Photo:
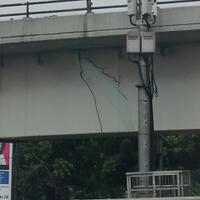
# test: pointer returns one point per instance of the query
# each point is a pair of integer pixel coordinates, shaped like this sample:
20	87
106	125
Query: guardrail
88	8
158	184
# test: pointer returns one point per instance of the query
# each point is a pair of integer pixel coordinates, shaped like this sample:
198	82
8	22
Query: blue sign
4	177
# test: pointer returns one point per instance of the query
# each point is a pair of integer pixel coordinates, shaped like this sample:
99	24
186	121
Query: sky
70	5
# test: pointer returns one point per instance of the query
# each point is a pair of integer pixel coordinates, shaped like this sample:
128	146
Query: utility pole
141	47
143	121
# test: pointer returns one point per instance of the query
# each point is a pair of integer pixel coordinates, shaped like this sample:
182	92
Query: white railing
27	9
158	184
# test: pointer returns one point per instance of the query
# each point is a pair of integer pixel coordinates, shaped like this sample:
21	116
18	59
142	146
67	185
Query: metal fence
88	7
158	184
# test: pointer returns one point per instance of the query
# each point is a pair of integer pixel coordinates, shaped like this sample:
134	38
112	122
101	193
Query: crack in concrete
102	70
109	85
90	89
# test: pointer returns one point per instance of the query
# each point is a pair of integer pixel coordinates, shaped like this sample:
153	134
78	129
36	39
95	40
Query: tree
40	174
92	168
89	168
183	152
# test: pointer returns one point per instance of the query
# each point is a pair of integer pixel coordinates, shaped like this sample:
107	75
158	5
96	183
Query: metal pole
143	119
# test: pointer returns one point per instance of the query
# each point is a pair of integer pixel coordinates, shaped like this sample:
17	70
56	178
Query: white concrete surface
51	99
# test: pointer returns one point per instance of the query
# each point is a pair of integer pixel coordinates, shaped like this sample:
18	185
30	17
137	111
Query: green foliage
62	169
183	152
109	166
92	168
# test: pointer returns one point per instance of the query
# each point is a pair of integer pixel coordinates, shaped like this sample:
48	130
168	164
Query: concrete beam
107	29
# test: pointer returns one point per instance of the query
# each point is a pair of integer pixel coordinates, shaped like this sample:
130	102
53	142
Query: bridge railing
88	8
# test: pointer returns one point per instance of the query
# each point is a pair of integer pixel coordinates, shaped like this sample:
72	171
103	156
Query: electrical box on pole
146	7
140	42
148	42
133	42
142	11
132	7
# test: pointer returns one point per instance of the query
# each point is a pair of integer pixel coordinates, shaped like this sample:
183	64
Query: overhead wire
131	20
154	92
151	89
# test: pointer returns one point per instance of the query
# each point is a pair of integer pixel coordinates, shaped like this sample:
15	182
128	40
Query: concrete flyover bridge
70	75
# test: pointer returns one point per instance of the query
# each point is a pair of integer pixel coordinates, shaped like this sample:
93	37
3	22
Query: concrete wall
47	96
